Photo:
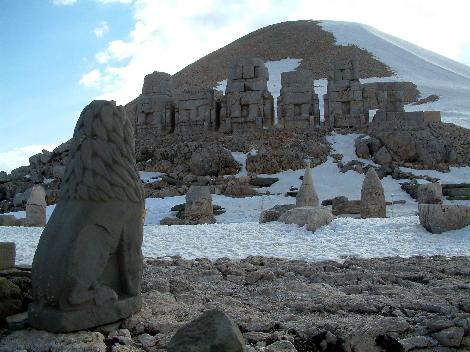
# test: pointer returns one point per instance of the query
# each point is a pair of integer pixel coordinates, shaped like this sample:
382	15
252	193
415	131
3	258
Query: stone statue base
67	321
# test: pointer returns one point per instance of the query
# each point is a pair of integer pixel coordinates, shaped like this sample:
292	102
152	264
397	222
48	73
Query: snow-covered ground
432	73
237	233
398	236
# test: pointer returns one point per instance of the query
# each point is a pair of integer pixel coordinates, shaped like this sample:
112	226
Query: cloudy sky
58	55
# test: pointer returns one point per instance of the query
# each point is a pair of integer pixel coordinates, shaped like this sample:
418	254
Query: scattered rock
213	331
450	337
274	213
313	217
263	181
383	156
281	346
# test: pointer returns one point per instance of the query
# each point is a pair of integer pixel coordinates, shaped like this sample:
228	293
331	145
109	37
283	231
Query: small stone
147	340
413	342
281	346
17	321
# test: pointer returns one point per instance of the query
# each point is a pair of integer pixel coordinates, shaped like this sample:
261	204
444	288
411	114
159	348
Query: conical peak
308	179
372	178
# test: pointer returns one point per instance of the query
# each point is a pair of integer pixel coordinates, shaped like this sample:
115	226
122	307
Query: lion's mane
101	165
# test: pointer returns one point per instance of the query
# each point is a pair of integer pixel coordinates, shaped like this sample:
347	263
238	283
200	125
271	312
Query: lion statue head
101	165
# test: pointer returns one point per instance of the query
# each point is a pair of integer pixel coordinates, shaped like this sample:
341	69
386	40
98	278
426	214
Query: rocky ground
385	304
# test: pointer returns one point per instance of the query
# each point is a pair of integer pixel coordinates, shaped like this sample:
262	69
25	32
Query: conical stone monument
87	269
36	207
307	196
372	196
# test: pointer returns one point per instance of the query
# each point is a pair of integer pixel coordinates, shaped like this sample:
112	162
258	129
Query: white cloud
16	157
115	1
64	2
101	29
91	79
169	35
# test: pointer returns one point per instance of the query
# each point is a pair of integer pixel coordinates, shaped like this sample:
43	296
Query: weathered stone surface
263	181
36	207
307	196
450	337
313	217
212	161
281	346
383	156
430	193
198	208
297	104
362	148
88	265
372	196
438	218
43	341
10	298
342	205
213	331
7	220
7	255
274	213
415	342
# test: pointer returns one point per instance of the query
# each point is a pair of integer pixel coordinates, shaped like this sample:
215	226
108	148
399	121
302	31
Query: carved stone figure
87	268
372	196
307	196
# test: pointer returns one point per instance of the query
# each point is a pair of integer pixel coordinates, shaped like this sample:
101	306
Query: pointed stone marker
307	196
372	196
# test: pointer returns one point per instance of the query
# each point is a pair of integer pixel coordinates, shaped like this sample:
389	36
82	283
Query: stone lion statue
87	268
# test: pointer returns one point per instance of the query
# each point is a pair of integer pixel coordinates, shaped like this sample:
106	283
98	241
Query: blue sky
58	55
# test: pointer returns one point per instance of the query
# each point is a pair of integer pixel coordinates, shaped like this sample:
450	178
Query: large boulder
213	161
7	220
372	196
383	156
438	218
430	193
313	217
213	331
274	213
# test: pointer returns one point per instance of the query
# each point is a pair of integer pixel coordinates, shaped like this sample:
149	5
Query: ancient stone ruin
248	103
196	111
87	269
153	111
372	196
429	193
36	207
297	105
345	105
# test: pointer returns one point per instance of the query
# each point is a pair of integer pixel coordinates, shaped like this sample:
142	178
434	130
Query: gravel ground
384	304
